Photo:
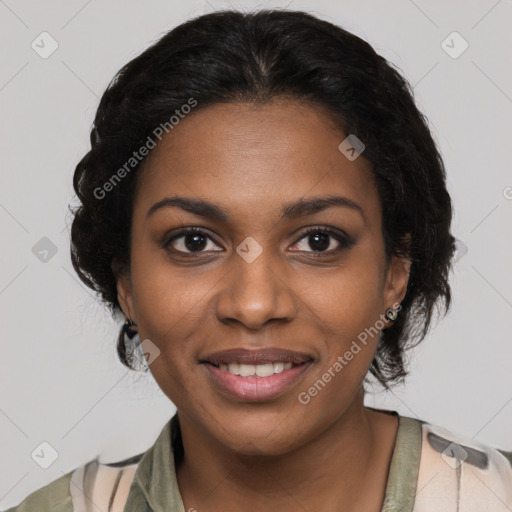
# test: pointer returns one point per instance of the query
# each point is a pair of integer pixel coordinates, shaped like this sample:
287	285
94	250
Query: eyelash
345	241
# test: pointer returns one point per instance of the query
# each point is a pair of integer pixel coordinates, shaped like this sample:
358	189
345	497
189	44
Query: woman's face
254	279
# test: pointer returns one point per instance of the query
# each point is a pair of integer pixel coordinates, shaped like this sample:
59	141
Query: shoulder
459	473
105	485
53	496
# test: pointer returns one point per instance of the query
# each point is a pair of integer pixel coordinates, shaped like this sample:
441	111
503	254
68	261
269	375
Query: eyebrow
294	210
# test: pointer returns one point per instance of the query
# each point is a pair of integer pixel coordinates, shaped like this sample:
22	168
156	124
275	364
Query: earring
391	314
129	328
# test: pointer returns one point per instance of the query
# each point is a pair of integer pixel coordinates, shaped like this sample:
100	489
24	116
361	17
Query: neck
335	465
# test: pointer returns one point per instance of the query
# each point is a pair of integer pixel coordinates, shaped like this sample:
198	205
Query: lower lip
256	388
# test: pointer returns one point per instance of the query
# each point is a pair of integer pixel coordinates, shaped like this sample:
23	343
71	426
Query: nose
254	293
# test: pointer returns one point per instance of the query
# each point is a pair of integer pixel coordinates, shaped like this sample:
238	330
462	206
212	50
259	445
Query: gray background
60	378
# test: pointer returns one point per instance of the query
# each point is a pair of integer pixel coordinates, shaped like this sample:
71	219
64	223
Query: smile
258	370
258	382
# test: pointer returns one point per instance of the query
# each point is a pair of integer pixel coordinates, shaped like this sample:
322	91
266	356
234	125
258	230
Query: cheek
167	314
166	302
349	299
348	305
349	314
163	293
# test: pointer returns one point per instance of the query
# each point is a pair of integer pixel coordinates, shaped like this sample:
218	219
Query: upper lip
256	356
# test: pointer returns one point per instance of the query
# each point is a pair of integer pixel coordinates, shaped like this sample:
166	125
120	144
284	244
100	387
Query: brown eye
321	240
190	240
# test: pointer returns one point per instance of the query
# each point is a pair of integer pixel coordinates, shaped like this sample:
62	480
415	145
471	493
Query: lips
256	375
270	355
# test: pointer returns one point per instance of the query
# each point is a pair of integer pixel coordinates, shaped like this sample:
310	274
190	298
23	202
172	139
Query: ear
397	279
124	290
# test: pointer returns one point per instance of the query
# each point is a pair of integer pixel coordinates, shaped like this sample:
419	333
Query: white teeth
246	370
265	370
259	370
278	367
234	368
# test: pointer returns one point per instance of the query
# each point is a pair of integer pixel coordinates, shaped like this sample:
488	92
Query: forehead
245	156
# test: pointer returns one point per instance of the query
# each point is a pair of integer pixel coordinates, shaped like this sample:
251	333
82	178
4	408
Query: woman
266	206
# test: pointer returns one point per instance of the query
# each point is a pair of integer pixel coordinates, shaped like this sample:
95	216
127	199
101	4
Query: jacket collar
155	486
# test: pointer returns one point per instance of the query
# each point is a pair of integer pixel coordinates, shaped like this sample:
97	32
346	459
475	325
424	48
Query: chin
254	446
262	434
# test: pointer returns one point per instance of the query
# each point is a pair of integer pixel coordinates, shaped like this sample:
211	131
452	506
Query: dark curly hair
229	56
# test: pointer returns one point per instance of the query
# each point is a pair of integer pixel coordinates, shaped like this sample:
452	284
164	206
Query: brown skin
332	453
